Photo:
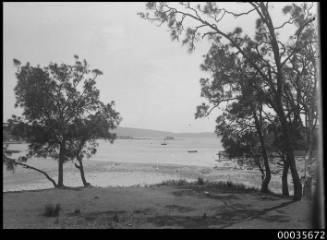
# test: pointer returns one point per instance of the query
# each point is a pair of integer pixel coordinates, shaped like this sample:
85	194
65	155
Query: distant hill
149	133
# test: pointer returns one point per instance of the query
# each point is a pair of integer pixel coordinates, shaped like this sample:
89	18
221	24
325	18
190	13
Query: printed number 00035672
310	234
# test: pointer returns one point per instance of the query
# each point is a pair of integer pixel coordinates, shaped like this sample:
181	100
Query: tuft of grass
115	218
77	211
51	210
200	181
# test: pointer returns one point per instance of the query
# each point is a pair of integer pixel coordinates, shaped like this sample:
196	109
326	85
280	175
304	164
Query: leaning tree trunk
286	167
61	165
81	169
38	170
257	162
267	178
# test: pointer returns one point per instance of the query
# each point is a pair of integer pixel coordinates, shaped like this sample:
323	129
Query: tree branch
38	170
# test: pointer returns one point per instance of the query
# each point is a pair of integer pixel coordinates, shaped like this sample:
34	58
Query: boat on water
12	151
169	138
192	151
165	140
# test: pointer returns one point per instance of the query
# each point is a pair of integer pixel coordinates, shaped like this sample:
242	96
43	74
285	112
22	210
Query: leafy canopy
60	105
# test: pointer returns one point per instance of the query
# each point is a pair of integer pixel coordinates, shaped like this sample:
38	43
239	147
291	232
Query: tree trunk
81	169
267	178
257	162
290	155
286	167
61	165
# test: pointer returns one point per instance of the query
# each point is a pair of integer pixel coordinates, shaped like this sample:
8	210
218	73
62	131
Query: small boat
169	138
163	143
192	151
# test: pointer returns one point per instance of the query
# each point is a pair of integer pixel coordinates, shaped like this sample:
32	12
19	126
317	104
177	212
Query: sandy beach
103	174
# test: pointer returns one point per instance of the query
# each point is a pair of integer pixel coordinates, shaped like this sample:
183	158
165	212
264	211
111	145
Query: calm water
148	151
151	151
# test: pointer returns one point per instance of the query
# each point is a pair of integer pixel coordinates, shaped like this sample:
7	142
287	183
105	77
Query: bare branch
287	22
238	14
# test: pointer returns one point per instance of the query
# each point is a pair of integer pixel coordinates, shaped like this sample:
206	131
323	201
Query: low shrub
179	182
51	210
200	181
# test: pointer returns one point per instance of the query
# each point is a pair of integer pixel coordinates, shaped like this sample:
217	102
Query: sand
156	206
104	174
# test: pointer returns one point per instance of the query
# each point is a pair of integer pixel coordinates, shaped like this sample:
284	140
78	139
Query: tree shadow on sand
231	212
225	216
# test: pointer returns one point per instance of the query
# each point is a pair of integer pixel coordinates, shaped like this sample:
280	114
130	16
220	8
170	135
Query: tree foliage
61	109
239	63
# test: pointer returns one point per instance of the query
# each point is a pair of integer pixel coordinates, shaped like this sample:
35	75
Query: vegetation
62	114
51	211
227	186
258	73
200	181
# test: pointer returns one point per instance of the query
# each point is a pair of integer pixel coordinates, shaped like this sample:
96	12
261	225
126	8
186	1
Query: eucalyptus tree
54	99
265	53
301	89
300	99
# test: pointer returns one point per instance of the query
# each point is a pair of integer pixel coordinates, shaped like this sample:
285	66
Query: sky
153	80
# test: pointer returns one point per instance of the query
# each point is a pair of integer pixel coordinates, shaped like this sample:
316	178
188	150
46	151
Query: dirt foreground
158	206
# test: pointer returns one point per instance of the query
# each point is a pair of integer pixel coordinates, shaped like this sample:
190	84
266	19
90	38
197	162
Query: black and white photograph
163	115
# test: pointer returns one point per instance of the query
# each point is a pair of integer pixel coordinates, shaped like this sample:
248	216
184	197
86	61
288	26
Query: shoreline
106	174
